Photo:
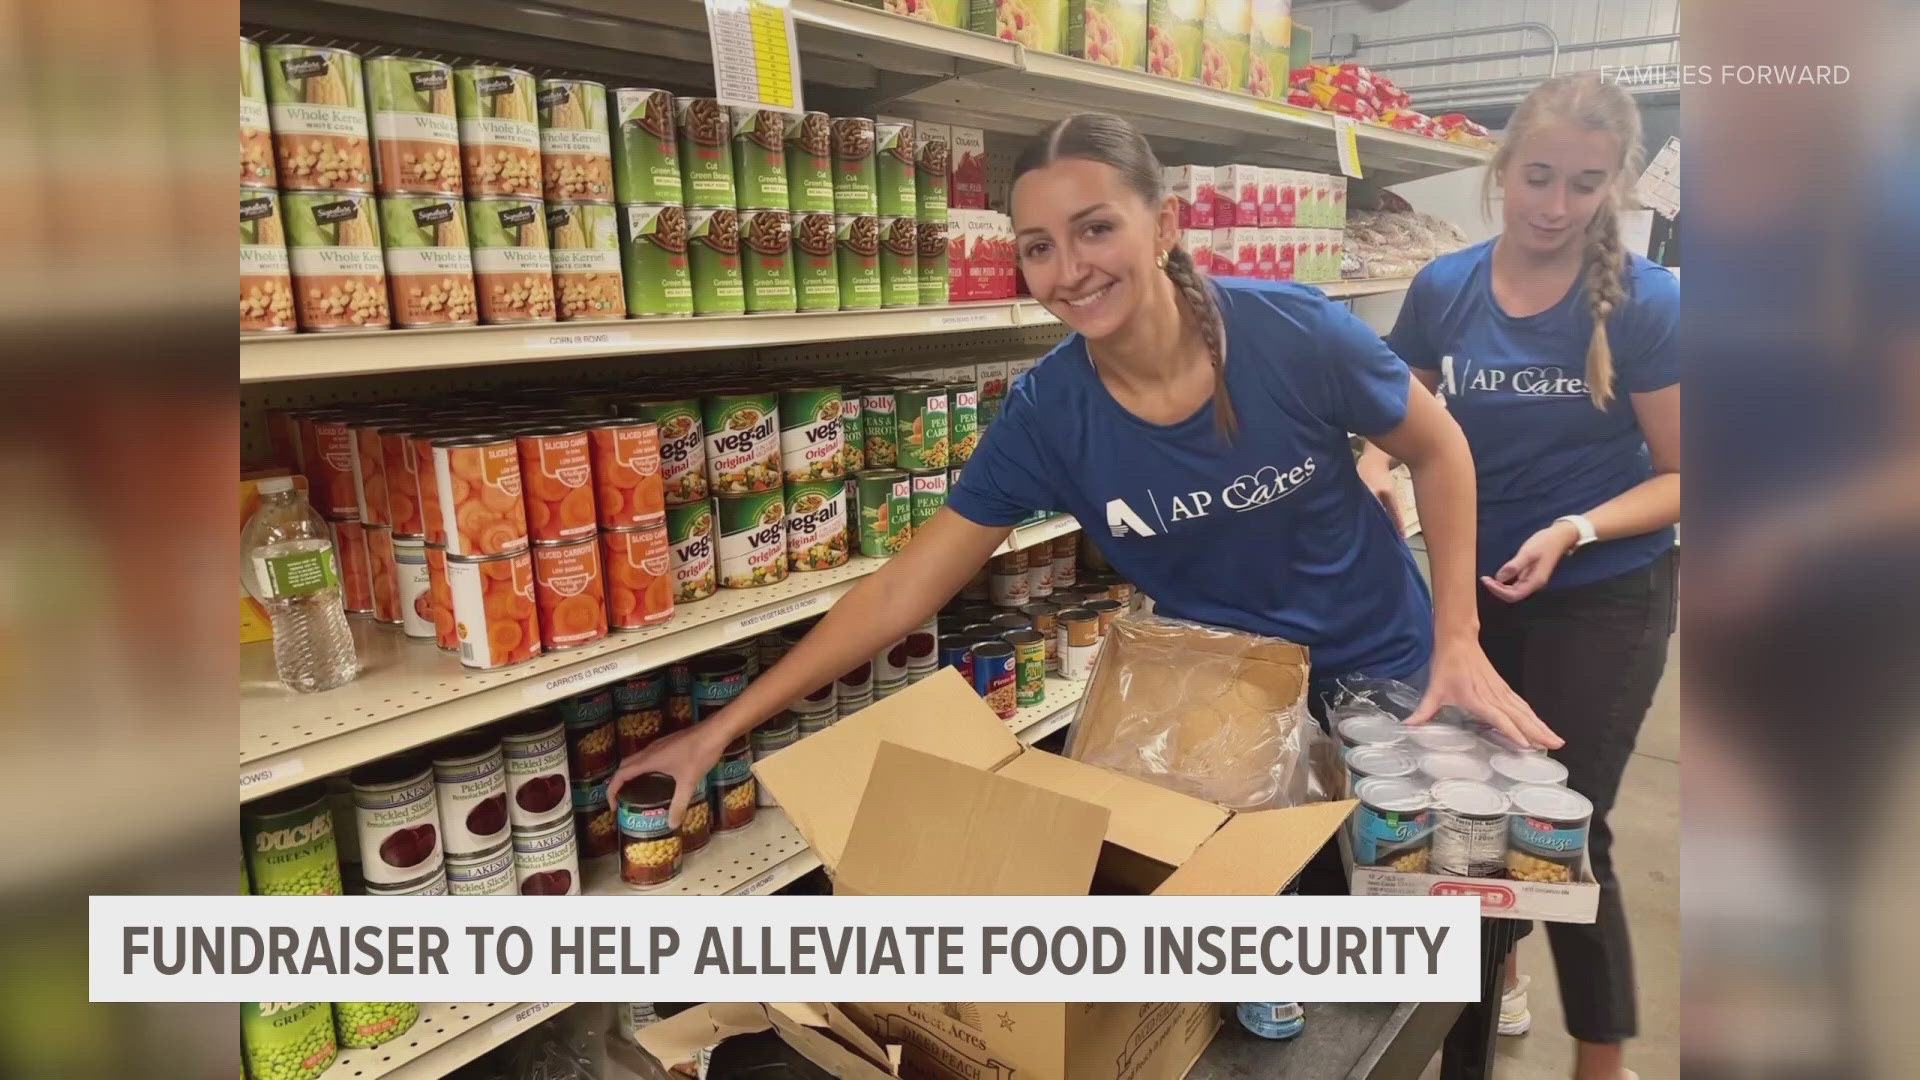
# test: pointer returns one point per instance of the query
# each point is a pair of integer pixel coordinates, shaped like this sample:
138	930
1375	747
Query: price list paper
755	62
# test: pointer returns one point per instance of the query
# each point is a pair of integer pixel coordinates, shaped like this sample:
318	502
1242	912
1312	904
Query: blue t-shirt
1273	534
1539	446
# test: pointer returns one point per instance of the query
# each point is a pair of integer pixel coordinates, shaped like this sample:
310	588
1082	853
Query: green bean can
751	534
853	446
877	409
759	138
416	135
816	524
853	168
1029	665
899	262
701	128
933	262
894	188
646	156
811	446
587	282
653	260
929	495
576	157
886	511
713	247
362	1025
857	246
287	1040
743	441
920	423
766	259
963	422
810	163
816	268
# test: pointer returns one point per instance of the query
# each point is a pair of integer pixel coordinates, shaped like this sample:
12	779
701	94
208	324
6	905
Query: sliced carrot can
356	566
557	467
433	522
370	473
639	576
403	480
494	613
385	574
482	510
570	593
440	593
629	490
329	460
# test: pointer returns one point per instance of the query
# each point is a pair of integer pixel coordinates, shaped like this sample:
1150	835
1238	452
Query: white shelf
410	693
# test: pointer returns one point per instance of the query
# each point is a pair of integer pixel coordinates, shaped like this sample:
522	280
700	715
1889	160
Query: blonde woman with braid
1557	353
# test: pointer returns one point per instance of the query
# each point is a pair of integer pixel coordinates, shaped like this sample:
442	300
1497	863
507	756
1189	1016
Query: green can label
853	432
933	262
653	260
576	161
499	130
512	259
646	156
963	422
877	416
683	447
292	852
816	524
1030	671
701	127
316	99
743	442
853	167
895	191
713	244
760	158
690	551
362	1025
287	1040
811	446
816	269
767	259
886	512
416	134
810	164
752	539
899	262
858	245
587	281
298	573
929	495
921	425
933	148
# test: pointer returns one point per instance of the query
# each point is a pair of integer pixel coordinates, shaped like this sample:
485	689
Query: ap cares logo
1265	485
1247	492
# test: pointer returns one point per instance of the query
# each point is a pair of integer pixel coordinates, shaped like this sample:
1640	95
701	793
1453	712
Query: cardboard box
1267	49
1237	195
980	1040
1236	251
822	1034
1223	44
1174	29
1574	902
967	180
1111	32
1193	186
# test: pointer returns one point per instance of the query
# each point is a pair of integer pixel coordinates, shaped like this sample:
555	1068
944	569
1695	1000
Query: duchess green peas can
929	495
287	1040
886	511
646	157
653	260
920	420
853	432
811	446
877	418
752	539
816	524
963	422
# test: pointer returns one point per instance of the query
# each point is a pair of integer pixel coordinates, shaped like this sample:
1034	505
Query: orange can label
570	593
433	525
626	475
640	582
558	471
356	565
385	574
481	508
370	475
403	483
493	610
330	468
440	598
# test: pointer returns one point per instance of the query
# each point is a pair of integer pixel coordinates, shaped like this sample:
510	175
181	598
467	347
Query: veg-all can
893	150
816	524
1393	826
317	104
702	127
429	261
760	158
493	610
333	250
479	491
858	261
470	778
587	281
690	551
556	467
878	408
1079	636
397	819
811	436
416	130
767	260
415	586
752	539
290	844
929	495
854	171
994	677
356	565
639	704
446	635
810	163
646	157
713	249
570	593
816	266
920	421
683	452
384	573
266	277
650	849
734	794
1030	665
546	860
886	511
626	472
933	262
742	442
639	570
899	262
576	160
256	129
512	260
654	261
534	745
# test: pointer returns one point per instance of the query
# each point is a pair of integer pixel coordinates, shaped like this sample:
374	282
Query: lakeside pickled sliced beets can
683	447
640	576
812	440
556	470
493	609
751	539
416	128
690	551
576	160
477	480
816	524
646	156
742	442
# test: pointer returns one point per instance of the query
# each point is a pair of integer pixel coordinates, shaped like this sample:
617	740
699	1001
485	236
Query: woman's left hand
1533	564
1463	676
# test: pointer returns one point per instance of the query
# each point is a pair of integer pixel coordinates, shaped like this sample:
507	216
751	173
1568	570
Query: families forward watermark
1659	76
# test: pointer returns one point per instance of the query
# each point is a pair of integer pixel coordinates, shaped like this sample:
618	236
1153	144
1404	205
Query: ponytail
1605	262
1197	294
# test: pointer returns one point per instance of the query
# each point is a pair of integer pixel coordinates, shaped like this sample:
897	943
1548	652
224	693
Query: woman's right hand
685	755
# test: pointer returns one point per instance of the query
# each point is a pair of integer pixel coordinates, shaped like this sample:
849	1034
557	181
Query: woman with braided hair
1557	353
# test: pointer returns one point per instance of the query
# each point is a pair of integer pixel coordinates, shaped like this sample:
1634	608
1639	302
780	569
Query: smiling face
1557	177
1088	243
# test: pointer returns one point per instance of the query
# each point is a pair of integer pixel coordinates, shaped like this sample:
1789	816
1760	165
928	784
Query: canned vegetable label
921	427
385	574
415	587
893	148
575	152
929	495
701	126
816	524
570	593
397	819
480	496
886	511
1030	666
854	172
288	1040
714	246
683	453
995	677
333	249
555	467
853	433
266	281
416	133
547	860
446	633
256	130
653	257
586	261
626	473
536	760
493	610
743	442
932	150
963	422
816	268
499	130
317	100
767	258
810	164
933	262
899	261
811	438
429	260
646	158
512	260
760	158
858	261
877	410
290	845
690	551
640	589
752	539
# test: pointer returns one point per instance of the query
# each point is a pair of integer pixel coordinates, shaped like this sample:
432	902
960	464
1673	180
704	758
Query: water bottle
1272	1019
287	563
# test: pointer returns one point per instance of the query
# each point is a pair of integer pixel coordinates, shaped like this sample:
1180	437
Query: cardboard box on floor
822	1034
928	793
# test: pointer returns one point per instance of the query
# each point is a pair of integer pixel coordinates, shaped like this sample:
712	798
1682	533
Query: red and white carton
1284	251
1264	263
1236	251
1337	215
1193	187
1199	244
1271	180
1237	196
1286	210
967	169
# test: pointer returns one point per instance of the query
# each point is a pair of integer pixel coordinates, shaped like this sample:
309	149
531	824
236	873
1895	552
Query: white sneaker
1514	1017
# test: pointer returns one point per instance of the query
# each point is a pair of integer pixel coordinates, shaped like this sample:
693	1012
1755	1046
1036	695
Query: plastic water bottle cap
273	484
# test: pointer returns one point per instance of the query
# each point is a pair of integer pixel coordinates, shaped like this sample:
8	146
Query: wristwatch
1582	526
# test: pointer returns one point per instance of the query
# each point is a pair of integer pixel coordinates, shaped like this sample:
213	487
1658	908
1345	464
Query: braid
1199	298
1605	260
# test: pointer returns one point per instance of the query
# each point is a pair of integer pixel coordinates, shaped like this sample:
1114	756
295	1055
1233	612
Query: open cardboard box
1570	902
820	1033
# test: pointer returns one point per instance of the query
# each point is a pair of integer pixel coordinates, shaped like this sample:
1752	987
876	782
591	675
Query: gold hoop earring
1160	260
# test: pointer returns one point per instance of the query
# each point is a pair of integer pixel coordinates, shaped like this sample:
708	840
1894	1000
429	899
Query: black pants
1588	659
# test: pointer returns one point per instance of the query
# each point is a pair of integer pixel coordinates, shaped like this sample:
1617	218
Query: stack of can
906	433
889	221
577	181
423	212
266	283
506	212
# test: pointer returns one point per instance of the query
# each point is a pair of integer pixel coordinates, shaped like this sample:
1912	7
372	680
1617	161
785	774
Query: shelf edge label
775	616
1346	145
578	339
584	679
519	1017
279	770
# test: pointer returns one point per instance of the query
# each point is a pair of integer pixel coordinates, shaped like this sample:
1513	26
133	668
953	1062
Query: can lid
1377	760
1108	604
647	791
992	648
1440	736
1023	637
273	485
1393	793
1454	765
1528	767
466	745
1469	797
1373	728
1550	802
389	772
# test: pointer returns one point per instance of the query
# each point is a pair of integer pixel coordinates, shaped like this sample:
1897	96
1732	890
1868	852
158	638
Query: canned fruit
895	192
878	413
428	258
570	594
333	249
628	490
317	104
646	158
256	130
760	158
751	539
886	511
701	128
499	133
683	453
690	551
416	130
576	159
479	490
816	524
713	242
556	469
742	442
587	282
933	262
899	261
653	258
857	248
812	443
446	636
287	1040
815	265
853	166
266	279
512	262
493	610
767	260
290	845
639	572
810	164
362	1025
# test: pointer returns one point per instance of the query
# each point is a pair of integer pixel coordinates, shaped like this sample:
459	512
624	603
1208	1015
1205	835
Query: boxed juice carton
967	182
1223	44
1284	252
1267	49
1199	244
1174	29
1270	182
1237	195
1236	250
944	12
1111	32
1287	205
1264	262
1193	186
1037	24
1337	214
